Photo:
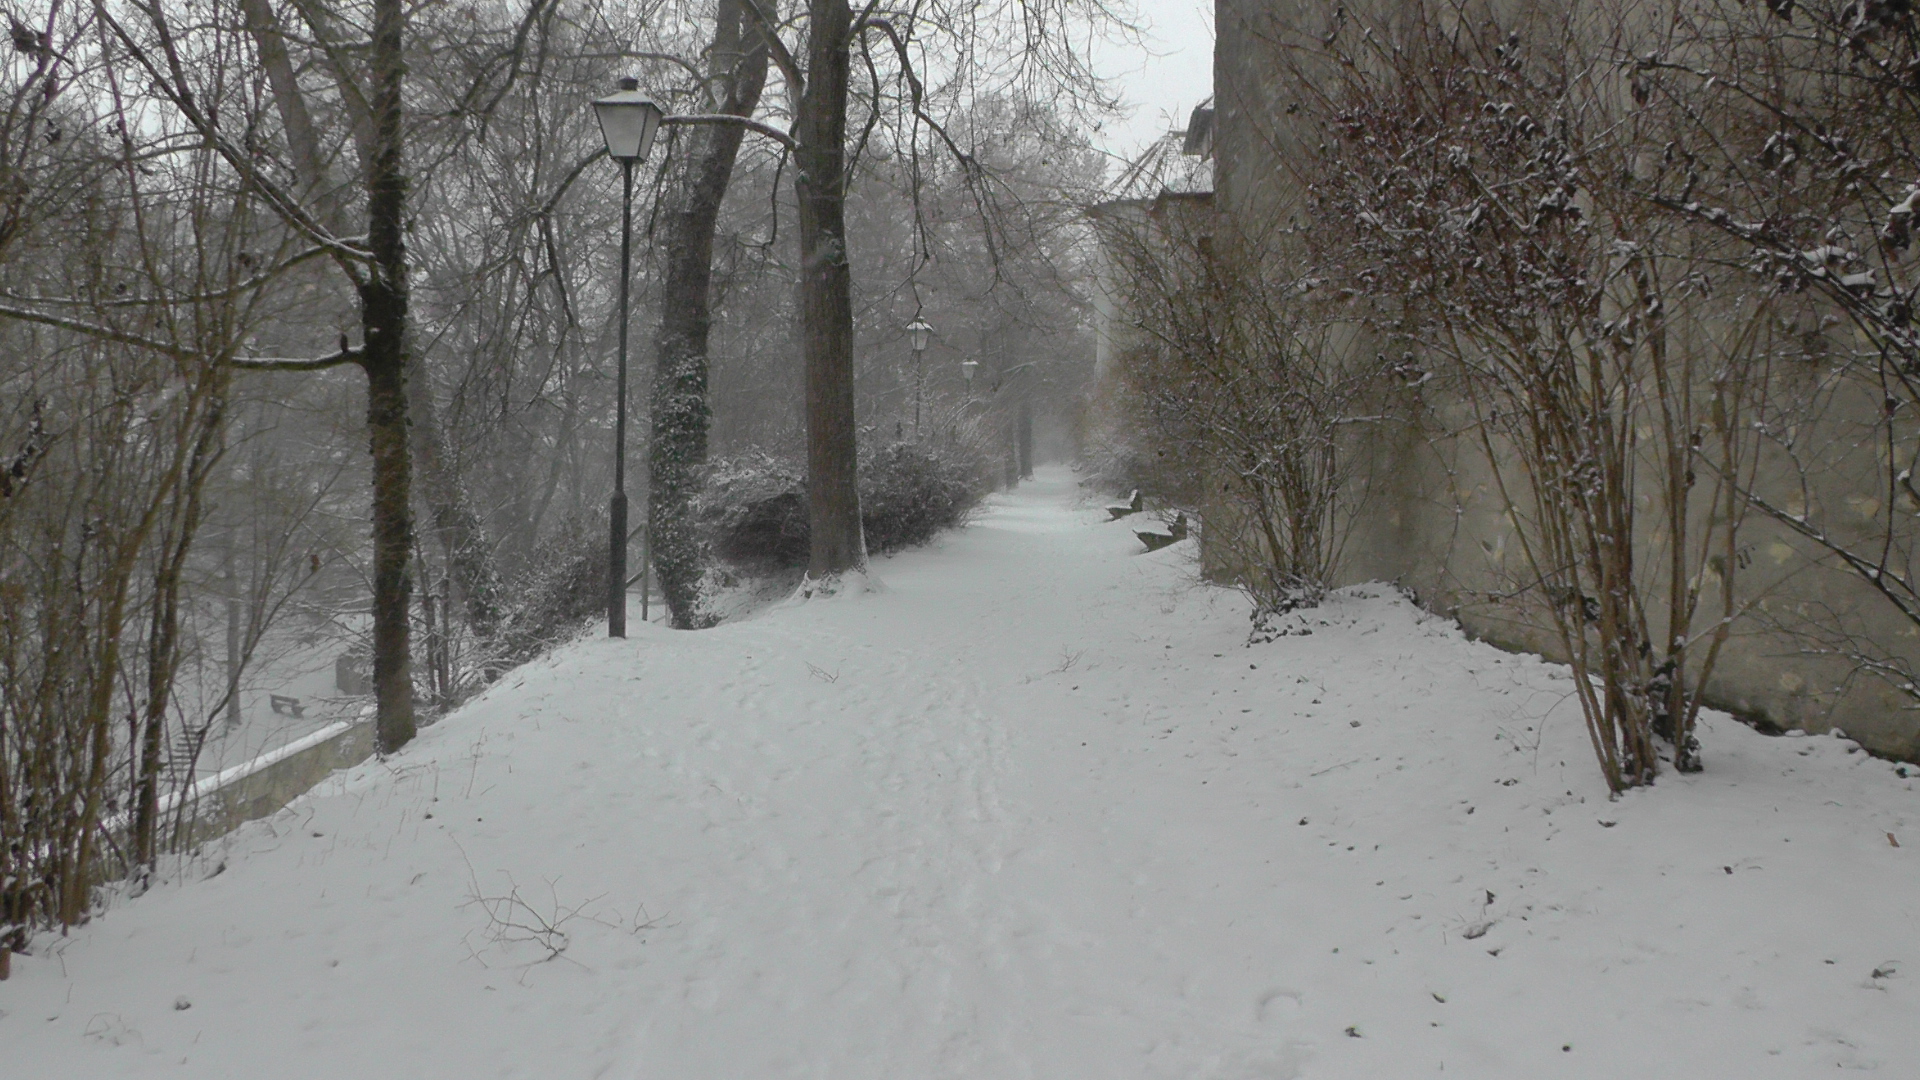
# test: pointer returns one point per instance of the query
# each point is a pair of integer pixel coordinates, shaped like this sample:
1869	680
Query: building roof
1177	163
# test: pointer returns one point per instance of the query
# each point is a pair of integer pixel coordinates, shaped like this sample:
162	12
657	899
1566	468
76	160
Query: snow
1034	809
295	660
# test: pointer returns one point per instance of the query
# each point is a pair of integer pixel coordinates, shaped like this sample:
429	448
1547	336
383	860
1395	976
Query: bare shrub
1475	182
1240	376
1793	143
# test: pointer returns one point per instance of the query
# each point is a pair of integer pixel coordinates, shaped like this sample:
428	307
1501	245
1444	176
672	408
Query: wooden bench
1175	533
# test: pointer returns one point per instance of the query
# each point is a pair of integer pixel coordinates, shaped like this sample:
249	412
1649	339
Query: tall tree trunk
1023	438
681	414
303	143
383	295
74	851
826	295
383	317
461	533
232	583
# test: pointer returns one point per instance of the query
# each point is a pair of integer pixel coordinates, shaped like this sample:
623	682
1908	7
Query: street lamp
920	333
917	334
628	122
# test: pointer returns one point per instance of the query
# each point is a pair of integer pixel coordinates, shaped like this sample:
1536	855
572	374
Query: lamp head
918	332
628	121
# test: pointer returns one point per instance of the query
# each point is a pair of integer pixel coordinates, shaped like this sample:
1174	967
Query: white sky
1163	83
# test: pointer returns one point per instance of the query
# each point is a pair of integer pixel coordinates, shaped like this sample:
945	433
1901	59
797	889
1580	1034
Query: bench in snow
1175	533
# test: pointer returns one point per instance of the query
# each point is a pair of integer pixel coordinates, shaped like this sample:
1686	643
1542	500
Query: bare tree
375	266
363	89
127	296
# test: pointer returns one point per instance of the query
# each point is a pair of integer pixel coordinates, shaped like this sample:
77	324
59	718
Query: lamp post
967	370
628	122
917	334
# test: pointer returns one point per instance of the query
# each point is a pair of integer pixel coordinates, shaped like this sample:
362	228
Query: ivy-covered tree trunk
383	319
826	295
681	414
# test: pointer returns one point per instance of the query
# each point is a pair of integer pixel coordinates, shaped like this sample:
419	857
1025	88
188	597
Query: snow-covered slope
1034	810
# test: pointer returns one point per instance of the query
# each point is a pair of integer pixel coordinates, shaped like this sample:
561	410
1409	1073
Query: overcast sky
1164	82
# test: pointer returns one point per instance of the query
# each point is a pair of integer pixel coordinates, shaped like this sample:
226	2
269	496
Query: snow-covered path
1035	810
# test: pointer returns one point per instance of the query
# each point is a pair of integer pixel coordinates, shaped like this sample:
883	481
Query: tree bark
1023	437
234	651
163	642
826	295
383	316
681	414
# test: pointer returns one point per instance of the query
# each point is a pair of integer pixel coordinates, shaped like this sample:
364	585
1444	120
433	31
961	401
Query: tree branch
969	165
247	285
768	130
173	84
280	363
681	62
94	330
123	337
782	59
546	208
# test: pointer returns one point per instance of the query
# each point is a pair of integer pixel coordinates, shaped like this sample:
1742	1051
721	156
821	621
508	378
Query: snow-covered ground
1034	810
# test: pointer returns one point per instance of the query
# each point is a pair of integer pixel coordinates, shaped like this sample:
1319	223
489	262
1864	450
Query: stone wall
259	788
1426	511
1432	519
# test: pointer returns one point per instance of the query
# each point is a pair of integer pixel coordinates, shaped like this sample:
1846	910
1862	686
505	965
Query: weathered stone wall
262	787
1434	521
1428	514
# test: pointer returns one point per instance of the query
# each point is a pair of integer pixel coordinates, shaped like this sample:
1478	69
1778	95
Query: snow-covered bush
754	507
910	491
1483	193
753	510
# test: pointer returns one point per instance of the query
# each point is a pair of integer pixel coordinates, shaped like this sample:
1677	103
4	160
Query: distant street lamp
918	333
967	369
628	122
